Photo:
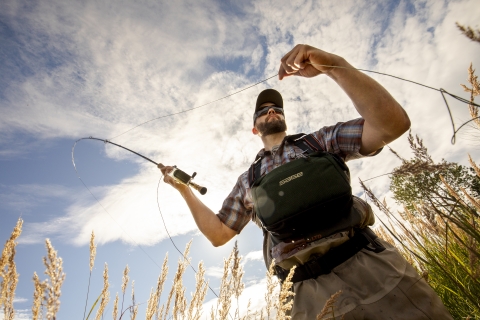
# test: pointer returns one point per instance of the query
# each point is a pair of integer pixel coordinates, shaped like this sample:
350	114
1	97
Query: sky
75	69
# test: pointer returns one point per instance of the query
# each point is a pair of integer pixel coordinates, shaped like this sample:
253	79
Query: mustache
274	115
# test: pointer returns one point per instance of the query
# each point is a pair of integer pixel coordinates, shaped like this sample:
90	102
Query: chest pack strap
307	142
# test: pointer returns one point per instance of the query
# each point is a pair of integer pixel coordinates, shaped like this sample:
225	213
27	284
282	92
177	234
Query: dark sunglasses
265	110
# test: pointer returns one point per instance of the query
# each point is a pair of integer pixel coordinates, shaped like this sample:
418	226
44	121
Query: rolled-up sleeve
237	208
344	139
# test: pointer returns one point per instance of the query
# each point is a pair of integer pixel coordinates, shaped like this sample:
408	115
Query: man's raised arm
207	221
385	119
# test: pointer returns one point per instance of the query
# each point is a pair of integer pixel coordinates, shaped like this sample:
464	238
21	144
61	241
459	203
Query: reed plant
46	302
438	230
441	238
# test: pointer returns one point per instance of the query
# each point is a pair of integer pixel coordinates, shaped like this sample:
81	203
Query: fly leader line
443	92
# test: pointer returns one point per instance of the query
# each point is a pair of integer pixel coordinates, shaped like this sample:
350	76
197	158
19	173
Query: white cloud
214	272
19	300
253	294
119	68
253	256
25	197
20	314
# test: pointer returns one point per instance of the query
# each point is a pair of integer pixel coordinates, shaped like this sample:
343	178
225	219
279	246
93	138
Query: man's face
271	122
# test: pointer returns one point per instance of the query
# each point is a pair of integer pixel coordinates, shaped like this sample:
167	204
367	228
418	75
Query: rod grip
197	187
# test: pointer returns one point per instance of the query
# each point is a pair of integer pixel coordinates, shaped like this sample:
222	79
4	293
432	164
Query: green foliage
418	180
426	186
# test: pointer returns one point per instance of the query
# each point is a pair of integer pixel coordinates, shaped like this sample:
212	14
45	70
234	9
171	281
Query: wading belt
317	266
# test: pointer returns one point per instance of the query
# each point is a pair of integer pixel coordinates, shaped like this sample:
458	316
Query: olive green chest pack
307	196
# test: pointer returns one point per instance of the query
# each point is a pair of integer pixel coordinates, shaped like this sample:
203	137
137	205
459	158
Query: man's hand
168	179
385	119
206	220
306	61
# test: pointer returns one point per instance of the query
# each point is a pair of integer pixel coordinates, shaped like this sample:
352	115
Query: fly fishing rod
177	174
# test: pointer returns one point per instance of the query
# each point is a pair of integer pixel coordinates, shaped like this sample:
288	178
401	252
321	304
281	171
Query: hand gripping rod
184	178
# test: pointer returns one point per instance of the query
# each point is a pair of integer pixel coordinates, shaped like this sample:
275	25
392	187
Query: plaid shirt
343	139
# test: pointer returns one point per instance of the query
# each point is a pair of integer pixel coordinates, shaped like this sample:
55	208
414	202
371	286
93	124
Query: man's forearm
207	221
384	117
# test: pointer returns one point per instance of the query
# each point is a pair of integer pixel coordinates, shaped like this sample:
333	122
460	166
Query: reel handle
197	187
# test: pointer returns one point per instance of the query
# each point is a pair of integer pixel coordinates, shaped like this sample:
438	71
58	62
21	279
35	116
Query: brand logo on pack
293	176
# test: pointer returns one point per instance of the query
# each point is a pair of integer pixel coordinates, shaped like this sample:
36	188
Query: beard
271	127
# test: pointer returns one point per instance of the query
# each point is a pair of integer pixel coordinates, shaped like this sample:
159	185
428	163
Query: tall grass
438	231
46	302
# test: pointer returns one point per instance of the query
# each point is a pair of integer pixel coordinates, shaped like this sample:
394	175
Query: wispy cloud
98	71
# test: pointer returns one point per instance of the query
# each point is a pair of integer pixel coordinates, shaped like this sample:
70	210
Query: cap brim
269	95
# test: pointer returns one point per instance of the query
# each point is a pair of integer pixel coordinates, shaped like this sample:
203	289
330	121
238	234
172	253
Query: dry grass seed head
93	250
105	294
9	284
472	200
10	243
125	278
8	271
115	307
133	308
467	31
152	306
474	91
195	307
177	286
226	289
329	305
56	276
272	283
160	312
285	299
474	165
134	313
385	236
38	296
452	192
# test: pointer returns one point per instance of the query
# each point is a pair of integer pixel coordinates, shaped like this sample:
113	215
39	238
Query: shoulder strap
255	170
307	142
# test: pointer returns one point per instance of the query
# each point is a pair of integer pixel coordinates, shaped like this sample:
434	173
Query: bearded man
297	190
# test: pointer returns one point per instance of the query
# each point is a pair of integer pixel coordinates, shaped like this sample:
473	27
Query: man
377	283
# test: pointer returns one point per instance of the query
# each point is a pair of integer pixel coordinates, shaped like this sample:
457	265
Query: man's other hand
306	61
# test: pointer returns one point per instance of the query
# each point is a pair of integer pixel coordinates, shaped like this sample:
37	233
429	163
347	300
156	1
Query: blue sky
73	69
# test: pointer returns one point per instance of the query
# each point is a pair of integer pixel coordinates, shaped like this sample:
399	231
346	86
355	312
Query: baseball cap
268	95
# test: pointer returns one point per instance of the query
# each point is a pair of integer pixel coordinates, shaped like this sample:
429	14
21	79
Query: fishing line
441	90
158	201
200	106
168	233
98	201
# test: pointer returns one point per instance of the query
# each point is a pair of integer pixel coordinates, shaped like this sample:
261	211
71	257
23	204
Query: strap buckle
372	239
